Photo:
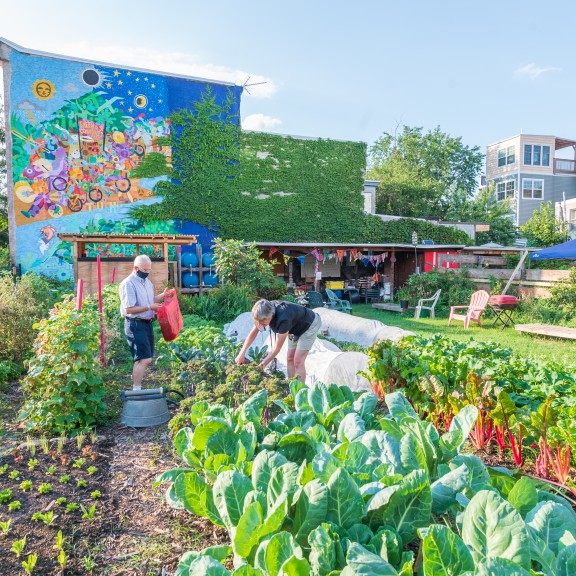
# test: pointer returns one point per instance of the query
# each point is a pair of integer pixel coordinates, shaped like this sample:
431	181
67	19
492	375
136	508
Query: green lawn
526	345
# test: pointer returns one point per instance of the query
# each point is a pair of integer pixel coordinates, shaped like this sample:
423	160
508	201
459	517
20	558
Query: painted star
121	102
130	109
116	73
137	79
153	85
160	101
108	84
120	82
129	73
149	109
146	78
129	92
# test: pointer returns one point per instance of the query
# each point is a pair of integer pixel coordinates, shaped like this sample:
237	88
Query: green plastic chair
336	303
315	299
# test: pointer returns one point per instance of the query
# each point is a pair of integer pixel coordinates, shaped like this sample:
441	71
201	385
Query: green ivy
266	187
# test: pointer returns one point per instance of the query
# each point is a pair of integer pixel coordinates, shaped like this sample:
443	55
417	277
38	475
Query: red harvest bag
169	317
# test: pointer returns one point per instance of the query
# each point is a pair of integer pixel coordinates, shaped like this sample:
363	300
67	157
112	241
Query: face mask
142	275
261	328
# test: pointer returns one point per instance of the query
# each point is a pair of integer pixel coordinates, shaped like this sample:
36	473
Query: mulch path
133	531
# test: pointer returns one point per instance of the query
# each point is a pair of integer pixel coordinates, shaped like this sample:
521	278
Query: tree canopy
543	229
420	173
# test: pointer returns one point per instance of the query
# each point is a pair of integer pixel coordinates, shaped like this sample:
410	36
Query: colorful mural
79	133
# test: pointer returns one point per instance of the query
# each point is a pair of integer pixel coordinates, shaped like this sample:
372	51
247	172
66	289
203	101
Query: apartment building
532	169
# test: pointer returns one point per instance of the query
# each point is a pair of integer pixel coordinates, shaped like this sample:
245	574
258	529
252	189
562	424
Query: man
138	306
293	321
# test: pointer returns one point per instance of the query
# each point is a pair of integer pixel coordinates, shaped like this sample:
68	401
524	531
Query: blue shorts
140	338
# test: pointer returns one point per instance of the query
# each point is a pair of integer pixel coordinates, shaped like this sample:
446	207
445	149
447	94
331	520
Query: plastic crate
335	284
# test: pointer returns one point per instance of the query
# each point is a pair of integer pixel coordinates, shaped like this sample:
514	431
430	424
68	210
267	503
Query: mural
79	134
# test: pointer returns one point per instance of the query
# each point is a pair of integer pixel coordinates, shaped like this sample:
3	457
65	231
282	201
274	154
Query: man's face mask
142	274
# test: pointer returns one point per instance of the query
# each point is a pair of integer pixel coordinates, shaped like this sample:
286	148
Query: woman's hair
262	309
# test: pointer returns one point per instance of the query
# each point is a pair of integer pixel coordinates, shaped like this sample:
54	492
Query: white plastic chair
433	300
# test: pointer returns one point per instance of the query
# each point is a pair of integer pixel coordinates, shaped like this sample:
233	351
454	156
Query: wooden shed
116	268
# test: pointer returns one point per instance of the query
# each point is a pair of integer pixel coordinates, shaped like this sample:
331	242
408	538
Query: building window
536	155
533	189
506	156
504	190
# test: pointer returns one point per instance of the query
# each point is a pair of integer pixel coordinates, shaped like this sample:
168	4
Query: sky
481	70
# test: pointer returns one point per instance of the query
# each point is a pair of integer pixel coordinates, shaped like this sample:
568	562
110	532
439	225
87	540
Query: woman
293	321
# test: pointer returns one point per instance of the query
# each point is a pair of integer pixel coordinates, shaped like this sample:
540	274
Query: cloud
70	87
533	71
162	61
260	122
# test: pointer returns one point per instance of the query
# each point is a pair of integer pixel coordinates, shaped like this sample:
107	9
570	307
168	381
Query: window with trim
532	189
506	156
536	155
505	190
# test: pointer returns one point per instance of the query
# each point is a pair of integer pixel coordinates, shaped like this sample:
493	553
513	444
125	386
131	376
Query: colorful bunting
340	254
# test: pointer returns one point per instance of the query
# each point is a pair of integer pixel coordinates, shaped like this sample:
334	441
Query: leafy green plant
64	479
44	444
32	463
31	445
14	505
64	390
18	546
96	494
60	442
71	507
79	462
80	438
88	514
5	496
14	475
50	470
62	559
81	483
60	541
61	501
5	527
92	470
45	488
3	469
30	563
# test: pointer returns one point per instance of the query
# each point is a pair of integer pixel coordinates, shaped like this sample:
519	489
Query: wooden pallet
547	330
388	307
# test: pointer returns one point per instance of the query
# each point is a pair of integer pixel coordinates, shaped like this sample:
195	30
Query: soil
133	531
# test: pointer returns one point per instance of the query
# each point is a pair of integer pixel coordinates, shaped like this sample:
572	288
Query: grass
525	345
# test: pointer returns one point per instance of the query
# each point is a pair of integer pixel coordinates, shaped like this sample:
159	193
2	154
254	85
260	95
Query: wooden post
392	274
79	294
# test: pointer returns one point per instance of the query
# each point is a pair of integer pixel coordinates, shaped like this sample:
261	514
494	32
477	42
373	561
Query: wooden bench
548	330
389	307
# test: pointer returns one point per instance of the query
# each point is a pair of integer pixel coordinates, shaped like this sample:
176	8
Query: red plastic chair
474	310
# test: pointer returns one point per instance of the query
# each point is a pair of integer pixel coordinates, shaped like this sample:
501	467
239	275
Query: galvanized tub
144	408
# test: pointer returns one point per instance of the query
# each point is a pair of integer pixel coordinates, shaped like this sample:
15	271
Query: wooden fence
527	282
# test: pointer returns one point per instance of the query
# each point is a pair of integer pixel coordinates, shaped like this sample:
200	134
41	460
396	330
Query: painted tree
543	229
421	173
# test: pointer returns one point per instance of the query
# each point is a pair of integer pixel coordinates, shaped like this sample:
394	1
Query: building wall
77	133
556	186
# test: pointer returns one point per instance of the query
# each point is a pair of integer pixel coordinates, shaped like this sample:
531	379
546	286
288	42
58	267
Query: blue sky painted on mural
481	70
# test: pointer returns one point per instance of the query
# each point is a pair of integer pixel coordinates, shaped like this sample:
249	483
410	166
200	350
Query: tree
543	229
421	174
484	207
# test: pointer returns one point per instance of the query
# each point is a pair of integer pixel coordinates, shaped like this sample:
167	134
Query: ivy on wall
266	187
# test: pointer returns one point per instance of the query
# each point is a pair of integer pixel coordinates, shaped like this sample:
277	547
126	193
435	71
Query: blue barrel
209	279
338	293
190	279
208	259
190	259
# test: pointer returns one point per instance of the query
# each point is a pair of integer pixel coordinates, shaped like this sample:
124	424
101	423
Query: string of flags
326	254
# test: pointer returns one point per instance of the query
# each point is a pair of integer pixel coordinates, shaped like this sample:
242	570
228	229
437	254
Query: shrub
8	371
22	303
63	389
225	303
456	287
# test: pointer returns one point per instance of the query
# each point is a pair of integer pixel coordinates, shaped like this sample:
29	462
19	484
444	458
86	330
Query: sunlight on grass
525	345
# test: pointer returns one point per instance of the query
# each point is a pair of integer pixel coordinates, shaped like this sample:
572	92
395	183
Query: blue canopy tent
566	251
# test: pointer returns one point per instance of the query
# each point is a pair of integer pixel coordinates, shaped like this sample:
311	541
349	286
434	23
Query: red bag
169	317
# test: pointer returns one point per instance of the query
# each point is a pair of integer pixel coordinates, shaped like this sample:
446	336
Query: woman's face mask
260	327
